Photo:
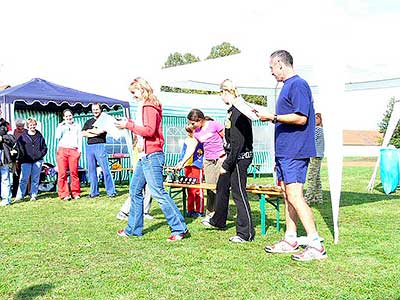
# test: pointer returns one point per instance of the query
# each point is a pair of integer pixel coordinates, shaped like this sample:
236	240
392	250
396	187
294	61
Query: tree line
221	50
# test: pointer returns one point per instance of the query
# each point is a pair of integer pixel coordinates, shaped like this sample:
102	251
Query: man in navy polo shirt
294	145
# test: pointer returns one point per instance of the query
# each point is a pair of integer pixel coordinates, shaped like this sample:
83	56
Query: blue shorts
291	170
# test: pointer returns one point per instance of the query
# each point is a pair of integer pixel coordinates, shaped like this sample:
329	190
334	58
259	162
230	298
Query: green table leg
262	212
184	213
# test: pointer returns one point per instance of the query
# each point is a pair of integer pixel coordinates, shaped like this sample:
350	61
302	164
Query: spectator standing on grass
96	154
233	172
18	131
68	134
209	133
7	143
314	186
191	160
31	148
149	168
294	145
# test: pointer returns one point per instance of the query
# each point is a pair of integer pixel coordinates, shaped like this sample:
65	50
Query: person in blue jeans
31	148
7	143
96	154
149	168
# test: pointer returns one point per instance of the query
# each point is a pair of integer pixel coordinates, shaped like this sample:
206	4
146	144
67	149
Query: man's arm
294	118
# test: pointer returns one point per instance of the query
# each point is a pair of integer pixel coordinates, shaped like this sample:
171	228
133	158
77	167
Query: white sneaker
33	199
237	239
122	216
4	203
282	246
310	253
148	217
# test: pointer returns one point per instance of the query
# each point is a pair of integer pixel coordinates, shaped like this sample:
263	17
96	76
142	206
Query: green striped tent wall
173	130
49	121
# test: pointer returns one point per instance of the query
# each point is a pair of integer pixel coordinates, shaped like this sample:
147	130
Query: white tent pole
331	96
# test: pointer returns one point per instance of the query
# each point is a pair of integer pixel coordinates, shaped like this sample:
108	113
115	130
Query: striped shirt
319	141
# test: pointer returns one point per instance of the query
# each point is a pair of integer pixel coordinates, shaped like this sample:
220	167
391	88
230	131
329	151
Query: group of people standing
22	153
223	152
227	154
23	150
69	135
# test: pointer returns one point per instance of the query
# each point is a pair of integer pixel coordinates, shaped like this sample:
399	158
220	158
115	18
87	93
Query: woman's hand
121	123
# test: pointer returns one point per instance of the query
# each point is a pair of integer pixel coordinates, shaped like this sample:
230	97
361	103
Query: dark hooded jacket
31	148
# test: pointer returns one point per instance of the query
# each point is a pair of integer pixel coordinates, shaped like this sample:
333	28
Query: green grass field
50	249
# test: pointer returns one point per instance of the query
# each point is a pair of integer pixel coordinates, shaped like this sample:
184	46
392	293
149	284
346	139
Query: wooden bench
114	172
271	195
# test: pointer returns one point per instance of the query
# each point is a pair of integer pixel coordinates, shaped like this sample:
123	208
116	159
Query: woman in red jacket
149	168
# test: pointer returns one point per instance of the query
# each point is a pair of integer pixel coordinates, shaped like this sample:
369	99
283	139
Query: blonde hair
148	94
228	85
31	120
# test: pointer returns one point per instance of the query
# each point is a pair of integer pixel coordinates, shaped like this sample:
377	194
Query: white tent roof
251	74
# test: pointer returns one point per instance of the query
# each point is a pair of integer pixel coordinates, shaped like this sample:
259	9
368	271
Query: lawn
50	249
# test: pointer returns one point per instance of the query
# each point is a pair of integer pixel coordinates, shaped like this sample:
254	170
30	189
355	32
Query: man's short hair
284	56
20	123
97	104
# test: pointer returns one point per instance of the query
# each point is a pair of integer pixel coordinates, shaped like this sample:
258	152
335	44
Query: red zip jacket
151	130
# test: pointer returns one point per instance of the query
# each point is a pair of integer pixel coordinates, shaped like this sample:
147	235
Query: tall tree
395	140
224	49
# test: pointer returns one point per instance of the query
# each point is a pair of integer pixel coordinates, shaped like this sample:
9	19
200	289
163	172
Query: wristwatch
275	119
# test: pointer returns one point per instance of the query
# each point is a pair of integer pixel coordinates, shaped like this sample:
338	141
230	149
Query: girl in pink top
210	133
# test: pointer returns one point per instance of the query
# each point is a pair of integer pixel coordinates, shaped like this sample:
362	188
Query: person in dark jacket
233	174
31	148
18	131
7	142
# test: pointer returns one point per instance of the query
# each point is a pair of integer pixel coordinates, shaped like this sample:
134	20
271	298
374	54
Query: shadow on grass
33	291
350	199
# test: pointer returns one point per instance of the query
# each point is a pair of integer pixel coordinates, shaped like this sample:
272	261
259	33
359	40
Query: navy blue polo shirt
295	141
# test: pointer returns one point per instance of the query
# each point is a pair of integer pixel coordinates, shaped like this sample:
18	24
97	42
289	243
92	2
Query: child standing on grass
149	168
210	133
192	160
314	186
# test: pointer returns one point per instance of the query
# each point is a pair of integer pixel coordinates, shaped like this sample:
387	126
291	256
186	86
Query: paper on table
246	108
106	122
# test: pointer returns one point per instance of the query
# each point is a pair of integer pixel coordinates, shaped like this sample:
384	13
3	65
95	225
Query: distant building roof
362	137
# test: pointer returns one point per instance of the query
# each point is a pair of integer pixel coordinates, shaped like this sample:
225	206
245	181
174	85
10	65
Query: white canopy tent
329	77
252	76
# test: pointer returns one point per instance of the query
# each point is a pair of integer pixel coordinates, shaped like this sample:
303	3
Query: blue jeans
149	170
5	183
29	170
97	153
